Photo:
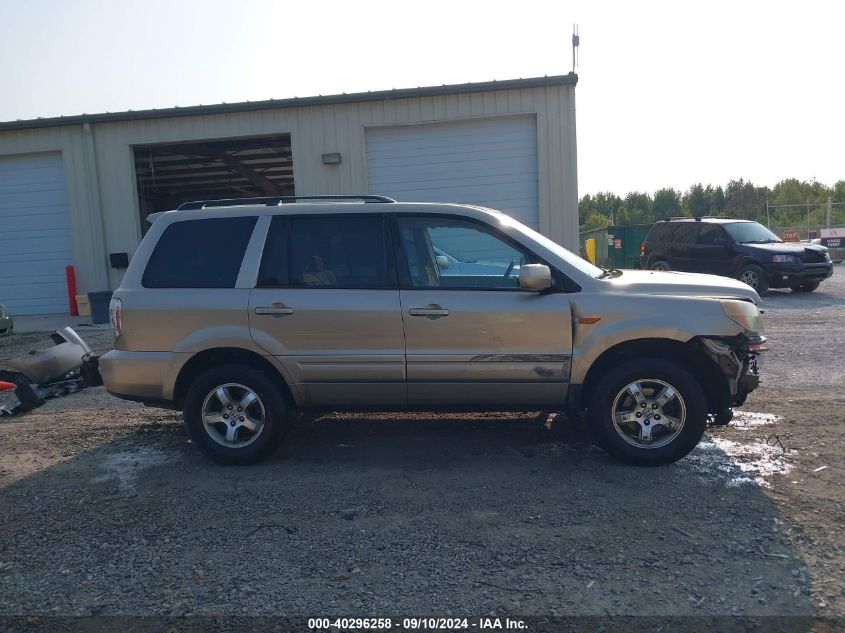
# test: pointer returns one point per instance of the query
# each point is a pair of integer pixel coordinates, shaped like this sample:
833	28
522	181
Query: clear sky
669	93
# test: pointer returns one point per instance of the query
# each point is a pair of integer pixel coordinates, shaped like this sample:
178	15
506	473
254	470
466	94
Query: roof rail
687	217
272	201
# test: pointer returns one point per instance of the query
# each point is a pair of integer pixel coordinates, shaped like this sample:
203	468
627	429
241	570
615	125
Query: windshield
751	232
571	258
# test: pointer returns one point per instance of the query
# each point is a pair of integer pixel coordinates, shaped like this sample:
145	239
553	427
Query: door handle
429	311
276	310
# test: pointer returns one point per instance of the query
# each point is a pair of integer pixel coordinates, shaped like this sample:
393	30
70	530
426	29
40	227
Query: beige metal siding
103	201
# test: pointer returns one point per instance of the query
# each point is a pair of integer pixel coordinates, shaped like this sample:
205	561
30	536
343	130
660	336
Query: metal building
75	190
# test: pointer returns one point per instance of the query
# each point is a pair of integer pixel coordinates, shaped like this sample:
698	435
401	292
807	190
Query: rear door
189	287
682	246
472	336
326	303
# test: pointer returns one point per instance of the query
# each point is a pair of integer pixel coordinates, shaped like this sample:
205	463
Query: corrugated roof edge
295	102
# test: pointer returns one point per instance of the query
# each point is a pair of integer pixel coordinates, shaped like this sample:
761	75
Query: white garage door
490	161
35	242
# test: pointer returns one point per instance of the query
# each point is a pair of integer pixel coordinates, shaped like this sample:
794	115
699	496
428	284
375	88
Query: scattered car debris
57	371
7	323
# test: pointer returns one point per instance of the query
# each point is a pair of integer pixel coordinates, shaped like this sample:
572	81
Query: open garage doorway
172	173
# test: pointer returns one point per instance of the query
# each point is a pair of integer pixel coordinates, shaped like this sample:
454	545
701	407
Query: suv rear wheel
235	414
660	264
648	412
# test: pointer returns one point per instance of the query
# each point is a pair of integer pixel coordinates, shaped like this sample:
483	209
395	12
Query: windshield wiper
762	241
609	272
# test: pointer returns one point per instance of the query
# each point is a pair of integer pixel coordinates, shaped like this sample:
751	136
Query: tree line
740	199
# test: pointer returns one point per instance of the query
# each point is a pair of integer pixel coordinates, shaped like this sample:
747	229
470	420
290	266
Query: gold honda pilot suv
242	311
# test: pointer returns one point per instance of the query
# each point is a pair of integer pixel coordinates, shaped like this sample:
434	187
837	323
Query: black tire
660	264
604	428
806	287
274	413
754	276
723	417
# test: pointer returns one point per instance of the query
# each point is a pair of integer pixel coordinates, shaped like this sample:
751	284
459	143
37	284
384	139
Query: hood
787	248
654	282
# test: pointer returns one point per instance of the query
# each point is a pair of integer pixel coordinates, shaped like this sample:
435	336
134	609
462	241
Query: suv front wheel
648	412
754	276
235	414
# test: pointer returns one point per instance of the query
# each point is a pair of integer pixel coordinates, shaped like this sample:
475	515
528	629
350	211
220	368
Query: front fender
640	317
742	260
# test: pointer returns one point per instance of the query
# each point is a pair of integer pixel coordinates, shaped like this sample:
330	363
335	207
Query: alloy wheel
233	415
750	277
649	413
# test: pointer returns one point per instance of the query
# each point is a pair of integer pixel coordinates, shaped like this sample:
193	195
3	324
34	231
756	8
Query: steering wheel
510	268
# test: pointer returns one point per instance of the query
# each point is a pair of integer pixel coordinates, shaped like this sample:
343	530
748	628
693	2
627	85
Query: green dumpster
623	245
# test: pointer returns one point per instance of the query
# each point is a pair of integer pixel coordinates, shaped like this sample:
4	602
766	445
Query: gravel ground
106	508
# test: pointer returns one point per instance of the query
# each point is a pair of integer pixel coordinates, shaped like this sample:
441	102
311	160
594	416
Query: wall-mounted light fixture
331	159
119	260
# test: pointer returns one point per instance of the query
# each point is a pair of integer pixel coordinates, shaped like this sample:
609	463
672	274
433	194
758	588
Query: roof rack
272	201
687	217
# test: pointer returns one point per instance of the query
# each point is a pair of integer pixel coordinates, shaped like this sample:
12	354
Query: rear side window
203	253
685	233
660	232
327	252
674	232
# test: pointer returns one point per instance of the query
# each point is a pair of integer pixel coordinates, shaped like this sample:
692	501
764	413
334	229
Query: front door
326	304
712	252
472	336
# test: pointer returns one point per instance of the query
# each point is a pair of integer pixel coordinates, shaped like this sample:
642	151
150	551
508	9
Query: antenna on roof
576	40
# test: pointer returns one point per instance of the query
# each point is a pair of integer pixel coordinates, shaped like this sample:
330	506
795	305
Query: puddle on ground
745	420
126	466
732	463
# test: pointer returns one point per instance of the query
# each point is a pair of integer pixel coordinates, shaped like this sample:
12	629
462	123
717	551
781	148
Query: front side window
443	252
326	252
203	253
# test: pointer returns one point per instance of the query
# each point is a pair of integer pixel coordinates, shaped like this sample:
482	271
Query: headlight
785	259
743	313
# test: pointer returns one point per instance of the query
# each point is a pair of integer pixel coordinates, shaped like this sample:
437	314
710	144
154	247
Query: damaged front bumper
65	368
738	357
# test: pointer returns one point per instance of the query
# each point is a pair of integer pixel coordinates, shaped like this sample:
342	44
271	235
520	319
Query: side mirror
720	241
535	277
442	261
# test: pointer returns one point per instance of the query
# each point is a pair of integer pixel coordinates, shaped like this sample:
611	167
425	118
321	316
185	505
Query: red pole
71	290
